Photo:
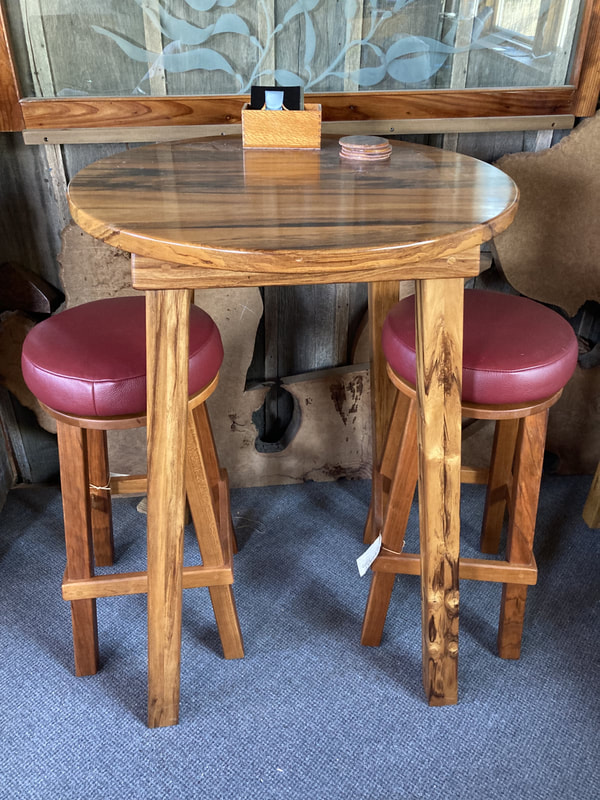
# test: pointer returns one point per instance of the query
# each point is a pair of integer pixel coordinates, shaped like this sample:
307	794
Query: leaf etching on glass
199	37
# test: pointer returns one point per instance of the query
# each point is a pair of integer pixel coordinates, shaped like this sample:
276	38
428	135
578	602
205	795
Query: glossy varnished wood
210	205
370	127
382	297
137	583
167	321
439	321
524	495
72	446
397	477
202	480
499	484
473	569
90	112
87	489
206	213
586	68
11	117
513	483
100	498
148	273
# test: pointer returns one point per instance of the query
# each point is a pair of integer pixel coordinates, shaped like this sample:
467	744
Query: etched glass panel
206	47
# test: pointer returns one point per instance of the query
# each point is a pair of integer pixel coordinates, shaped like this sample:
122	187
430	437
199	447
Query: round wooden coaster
373	150
355	157
363	142
365	148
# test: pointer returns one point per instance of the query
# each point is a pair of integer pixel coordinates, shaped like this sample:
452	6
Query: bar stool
87	366
517	357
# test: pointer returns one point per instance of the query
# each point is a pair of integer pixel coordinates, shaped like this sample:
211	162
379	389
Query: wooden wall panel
29	216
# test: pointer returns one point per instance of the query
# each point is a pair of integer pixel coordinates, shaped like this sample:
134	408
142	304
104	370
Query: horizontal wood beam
149	273
478	475
124	112
383	127
128	484
137	582
475	569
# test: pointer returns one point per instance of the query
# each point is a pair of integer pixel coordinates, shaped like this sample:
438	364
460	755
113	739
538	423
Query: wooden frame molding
579	99
587	65
373	127
11	117
118	112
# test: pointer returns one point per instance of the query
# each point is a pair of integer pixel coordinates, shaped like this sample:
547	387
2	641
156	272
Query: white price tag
368	557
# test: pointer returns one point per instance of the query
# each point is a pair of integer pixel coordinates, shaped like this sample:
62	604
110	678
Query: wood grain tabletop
209	203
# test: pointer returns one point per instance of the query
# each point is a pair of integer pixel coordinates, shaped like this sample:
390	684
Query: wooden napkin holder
282	129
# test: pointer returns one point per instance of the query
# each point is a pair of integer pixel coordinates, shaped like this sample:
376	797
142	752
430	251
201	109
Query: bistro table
207	213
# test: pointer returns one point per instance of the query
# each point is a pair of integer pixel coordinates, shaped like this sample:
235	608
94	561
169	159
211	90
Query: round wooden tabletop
207	202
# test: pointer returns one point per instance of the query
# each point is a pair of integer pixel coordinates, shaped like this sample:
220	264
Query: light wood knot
434	651
452	601
453	649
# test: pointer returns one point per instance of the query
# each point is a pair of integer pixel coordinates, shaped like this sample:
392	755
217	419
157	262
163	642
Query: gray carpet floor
309	712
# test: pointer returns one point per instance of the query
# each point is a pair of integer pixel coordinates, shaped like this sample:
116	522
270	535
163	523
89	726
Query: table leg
167	342
382	296
439	321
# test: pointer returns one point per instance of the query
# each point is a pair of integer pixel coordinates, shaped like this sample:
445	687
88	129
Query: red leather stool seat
515	350
90	360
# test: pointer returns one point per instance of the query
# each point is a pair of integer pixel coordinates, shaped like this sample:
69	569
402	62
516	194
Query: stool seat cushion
90	360
515	350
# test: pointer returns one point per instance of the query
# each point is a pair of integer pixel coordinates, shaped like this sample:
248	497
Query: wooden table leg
439	321
167	338
382	296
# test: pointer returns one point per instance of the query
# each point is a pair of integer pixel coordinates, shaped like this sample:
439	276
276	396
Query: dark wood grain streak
209	204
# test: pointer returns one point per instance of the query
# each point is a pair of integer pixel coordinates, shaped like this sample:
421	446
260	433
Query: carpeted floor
309	712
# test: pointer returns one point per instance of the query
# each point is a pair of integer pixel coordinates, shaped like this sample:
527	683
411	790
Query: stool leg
401	495
224	505
214	540
591	509
498	488
72	446
217	477
100	497
383	475
523	510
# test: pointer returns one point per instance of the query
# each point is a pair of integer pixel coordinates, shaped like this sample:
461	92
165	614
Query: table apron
149	274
